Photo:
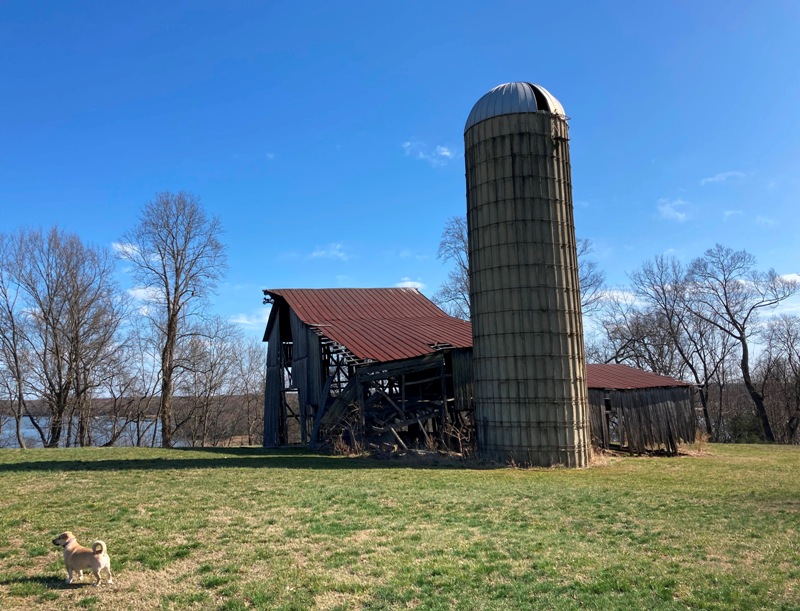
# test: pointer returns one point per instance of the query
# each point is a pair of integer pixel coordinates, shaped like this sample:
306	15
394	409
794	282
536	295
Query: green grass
249	529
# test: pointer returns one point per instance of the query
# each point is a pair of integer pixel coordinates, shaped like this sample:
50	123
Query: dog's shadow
50	582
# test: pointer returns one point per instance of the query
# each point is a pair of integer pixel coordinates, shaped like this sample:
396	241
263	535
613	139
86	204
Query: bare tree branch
453	294
177	256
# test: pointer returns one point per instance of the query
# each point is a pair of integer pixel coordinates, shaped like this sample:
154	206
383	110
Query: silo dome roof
512	98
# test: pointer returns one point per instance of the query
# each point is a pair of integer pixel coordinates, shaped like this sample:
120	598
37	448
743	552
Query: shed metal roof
376	324
622	377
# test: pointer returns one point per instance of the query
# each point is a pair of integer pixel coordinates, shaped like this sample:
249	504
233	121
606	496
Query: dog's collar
68	541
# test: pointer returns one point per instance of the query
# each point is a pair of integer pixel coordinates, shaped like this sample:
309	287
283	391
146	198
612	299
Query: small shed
639	411
370	364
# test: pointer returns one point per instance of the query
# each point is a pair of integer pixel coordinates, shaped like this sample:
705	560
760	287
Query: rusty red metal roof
622	377
400	323
376	324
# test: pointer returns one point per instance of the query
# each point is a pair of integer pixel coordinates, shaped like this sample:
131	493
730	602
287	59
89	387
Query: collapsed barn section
366	366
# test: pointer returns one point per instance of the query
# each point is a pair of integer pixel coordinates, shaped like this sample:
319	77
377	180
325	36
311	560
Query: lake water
101	432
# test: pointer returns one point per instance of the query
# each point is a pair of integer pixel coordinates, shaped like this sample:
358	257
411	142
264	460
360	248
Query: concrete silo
528	355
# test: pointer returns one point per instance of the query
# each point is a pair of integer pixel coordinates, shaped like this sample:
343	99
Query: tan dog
77	558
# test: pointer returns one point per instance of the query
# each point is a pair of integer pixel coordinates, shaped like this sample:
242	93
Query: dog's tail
99	547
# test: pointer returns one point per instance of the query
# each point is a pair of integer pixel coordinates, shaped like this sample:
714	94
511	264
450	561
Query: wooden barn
637	411
383	365
388	366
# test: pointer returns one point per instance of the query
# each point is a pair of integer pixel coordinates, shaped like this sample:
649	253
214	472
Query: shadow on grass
50	582
231	458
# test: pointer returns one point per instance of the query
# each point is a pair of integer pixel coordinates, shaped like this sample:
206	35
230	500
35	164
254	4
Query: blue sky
328	137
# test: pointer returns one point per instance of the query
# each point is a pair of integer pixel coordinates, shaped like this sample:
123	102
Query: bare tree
661	288
779	370
41	271
96	309
12	335
67	314
453	294
205	383
178	258
130	382
639	337
248	383
591	278
730	294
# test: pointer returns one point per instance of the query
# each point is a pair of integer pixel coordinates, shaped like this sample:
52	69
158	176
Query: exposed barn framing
367	365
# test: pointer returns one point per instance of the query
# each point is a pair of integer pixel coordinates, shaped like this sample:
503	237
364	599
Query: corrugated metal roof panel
399	323
377	324
622	377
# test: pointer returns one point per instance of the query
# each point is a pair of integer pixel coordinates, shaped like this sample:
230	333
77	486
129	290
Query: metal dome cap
511	98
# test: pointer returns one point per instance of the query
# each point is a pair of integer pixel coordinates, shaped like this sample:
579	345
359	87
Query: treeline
712	323
83	361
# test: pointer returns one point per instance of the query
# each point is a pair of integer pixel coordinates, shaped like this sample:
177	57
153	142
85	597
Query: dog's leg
110	576
96	574
69	574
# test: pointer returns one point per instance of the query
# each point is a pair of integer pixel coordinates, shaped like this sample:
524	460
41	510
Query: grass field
250	529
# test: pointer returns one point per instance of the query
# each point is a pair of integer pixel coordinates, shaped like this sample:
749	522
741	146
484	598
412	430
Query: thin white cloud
620	296
437	155
408	283
765	221
407	253
790	306
255	320
332	251
721	177
671	209
144	293
791	277
730	213
443	151
125	249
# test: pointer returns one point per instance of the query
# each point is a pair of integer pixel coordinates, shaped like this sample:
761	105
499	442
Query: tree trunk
167	368
166	408
792	426
758	400
56	426
18	420
706	416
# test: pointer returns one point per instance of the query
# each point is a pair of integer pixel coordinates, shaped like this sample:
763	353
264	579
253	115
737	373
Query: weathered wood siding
273	390
462	378
306	371
647	419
